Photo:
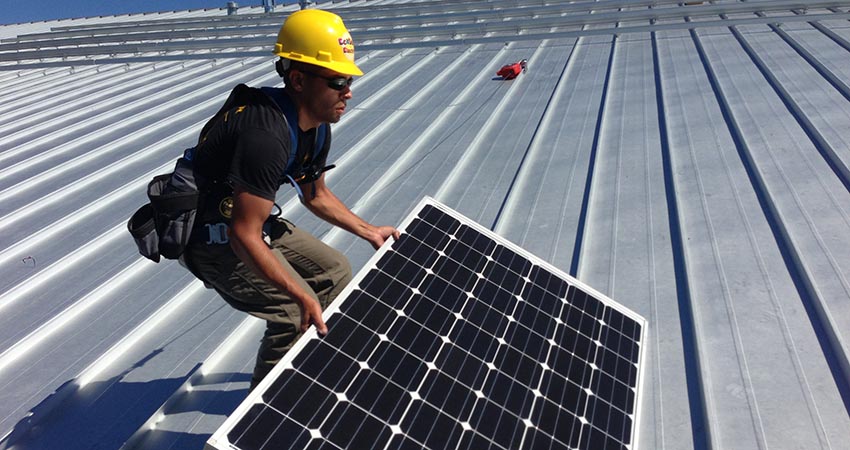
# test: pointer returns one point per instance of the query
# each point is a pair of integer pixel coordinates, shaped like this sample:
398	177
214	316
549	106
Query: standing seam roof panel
699	177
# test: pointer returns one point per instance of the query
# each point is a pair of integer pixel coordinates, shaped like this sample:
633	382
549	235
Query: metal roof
691	161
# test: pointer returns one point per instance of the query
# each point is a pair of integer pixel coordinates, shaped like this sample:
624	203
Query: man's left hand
379	235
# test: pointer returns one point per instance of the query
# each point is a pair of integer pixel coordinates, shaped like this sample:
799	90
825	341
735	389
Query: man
259	140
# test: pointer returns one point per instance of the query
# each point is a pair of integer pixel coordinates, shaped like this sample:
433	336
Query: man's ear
296	80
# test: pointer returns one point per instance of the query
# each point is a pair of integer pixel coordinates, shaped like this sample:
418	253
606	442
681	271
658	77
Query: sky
19	11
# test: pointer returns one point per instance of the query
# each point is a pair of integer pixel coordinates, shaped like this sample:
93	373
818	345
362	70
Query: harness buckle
217	233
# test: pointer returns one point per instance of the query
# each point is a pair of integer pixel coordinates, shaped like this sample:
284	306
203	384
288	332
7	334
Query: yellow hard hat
317	37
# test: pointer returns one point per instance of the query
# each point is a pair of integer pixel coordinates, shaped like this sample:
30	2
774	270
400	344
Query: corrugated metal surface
690	161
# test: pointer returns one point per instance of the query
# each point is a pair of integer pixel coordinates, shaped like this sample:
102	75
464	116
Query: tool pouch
163	227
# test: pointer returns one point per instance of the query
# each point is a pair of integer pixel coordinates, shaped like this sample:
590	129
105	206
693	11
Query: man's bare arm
319	199
246	238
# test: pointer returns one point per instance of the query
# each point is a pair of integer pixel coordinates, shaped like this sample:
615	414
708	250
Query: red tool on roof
511	71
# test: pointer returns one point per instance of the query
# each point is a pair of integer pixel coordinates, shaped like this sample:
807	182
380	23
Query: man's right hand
311	314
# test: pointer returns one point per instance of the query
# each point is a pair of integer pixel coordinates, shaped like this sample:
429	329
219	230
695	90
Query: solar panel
453	338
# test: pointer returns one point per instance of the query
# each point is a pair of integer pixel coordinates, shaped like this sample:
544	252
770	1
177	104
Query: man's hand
325	205
379	235
311	314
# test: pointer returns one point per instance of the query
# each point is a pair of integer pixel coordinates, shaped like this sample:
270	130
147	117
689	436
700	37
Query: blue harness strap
290	114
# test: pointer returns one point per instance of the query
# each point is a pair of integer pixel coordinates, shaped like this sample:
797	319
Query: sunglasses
335	83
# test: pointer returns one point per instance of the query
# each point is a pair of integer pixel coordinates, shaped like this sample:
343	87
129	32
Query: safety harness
164	226
303	174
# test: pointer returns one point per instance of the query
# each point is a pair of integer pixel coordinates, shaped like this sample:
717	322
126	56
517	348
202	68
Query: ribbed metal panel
690	161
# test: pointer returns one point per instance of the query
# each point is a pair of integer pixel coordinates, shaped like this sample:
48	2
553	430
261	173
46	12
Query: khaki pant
320	270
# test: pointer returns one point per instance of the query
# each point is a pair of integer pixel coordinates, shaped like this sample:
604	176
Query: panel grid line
538	384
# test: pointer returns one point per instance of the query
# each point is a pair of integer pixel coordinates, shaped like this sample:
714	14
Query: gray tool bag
163	226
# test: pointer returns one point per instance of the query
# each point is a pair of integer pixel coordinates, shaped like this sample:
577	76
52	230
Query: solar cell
453	338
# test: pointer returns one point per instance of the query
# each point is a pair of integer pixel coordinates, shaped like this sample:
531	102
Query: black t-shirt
259	158
248	143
